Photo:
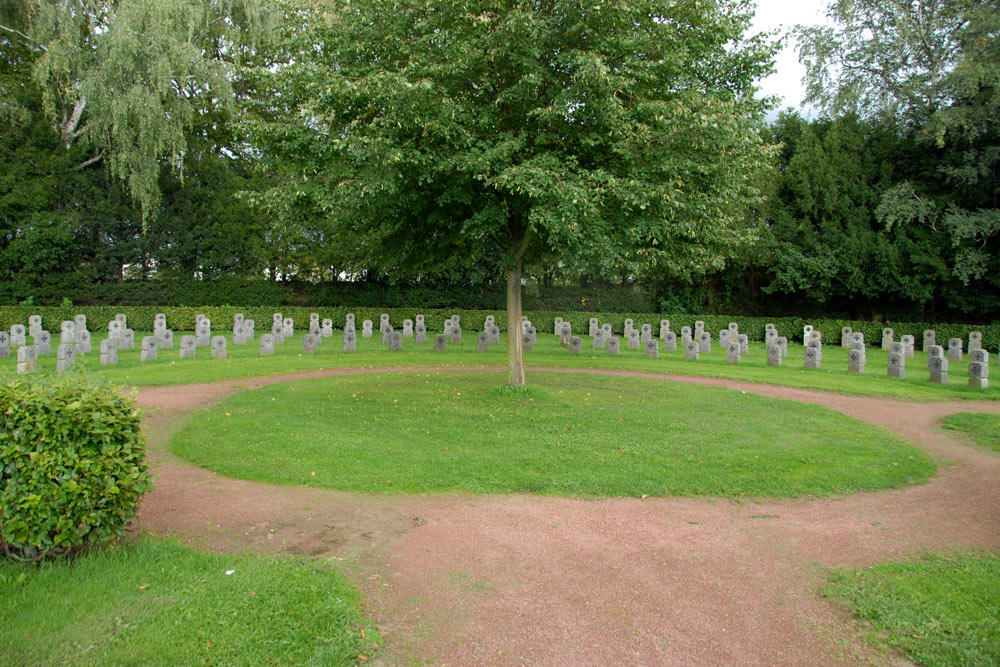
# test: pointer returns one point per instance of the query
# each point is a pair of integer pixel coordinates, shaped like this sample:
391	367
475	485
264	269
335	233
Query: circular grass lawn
574	435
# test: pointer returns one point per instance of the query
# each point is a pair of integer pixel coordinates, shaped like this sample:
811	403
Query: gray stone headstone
309	342
897	364
724	338
494	334
147	348
43	341
670	342
316	330
266	344
238	318
483	342
732	352
773	355
611	346
420	320
349	319
455	333
27	358
889	337
420	333
288	327
575	345
633	340
664	329
930	338
845	337
65	357
109	352
606	328
82	338
566	331
440	341
705	343
734	329
783	346
938	367
979	374
128	340
629	325
856	361
975	340
857	337
80	321
34	324
599	339
123	320
189	347
954	349
350	342
593	326
165	338
691	350
527	343
934	351
326	327
806	332
407	328
239	334
250	332
770	326
908	345
699	326
533	334
817	348
366	329
686	336
277	318
744	342
218	347
383	321
386	333
812	357
557	326
115	330
67	333
652	349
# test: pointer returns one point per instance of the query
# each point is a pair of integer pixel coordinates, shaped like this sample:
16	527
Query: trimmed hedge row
182	318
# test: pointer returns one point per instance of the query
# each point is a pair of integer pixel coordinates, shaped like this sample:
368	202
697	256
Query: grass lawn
244	361
155	602
574	435
984	429
940	610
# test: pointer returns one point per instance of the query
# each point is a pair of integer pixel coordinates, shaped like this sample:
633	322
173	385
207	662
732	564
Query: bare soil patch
508	580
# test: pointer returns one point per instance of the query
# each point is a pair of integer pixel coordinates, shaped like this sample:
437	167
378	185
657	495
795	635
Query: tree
125	79
620	136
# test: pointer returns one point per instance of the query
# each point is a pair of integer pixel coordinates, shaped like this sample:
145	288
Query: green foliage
566	435
940	610
72	465
154	602
984	429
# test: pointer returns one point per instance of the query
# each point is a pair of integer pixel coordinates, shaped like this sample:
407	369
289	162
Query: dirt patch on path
515	579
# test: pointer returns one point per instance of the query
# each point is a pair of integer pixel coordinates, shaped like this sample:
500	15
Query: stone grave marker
979	368
366	329
908	344
593	326
704	343
806	332
633	339
189	347
494	333
67	332
266	344
288	327
557	326
349	319
954	349
121	317
239	318
440	342
277	337
326	327
82	337
812	357
526	342
575	344
611	346
80	322
566	331
407	328
845	337
897	361
724	338
934	351
386	332
686	336
43	341
856	359
744	342
350	341
629	325
239	334
691	350
420	320
250	326
533	334
34	324
889	337
115	330
65	357
218	347
782	343
309	342
670	342
203	333
483	342
664	329
165	338
699	326
316	330
773	355
938	367
652	349
818	347
734	329
4	344
599	339
732	352
109	352
148	348
420	333
857	337
27	359
128	340
646	332
975	340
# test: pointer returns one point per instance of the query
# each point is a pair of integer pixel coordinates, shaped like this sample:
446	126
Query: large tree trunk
515	342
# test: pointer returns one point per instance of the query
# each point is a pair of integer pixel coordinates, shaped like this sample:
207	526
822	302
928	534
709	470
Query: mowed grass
157	603
984	429
940	610
245	361
567	434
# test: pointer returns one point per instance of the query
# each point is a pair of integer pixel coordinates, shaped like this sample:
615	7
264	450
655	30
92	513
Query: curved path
516	579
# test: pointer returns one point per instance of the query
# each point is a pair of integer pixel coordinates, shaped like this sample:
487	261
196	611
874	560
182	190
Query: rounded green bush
72	465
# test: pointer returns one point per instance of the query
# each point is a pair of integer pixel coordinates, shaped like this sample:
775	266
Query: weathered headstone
734	329
309	342
420	333
566	331
773	355
744	342
288	327
218	347
366	329
599	339
203	333
938	367
812	357
277	338
128	340
664	329
122	319
629	325
266	344
65	357
857	337
27	358
593	326
483	342
165	338
383	322
34	324
189	347
67	332
979	368
557	326
80	322
239	334
652	349
670	342
806	332
494	334
897	361
43	342
611	346
4	344
407	328
954	349
704	343
420	320
115	330
975	340
889	337
723	338
686	336
934	351
845	337
533	334
575	344
526	343
349	319
699	326
930	338
386	333
250	332
316	330
908	345
148	348
109	352
732	352
350	341
856	359
817	347
633	339
82	337
440	341
691	350
782	342
326	327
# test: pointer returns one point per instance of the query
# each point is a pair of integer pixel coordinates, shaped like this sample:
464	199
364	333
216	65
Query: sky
786	82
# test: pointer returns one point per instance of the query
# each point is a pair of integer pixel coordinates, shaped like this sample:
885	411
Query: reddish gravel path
511	580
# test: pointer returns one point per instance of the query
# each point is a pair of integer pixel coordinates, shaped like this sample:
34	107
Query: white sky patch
784	15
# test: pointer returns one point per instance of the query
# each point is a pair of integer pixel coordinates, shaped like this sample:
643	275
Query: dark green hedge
140	318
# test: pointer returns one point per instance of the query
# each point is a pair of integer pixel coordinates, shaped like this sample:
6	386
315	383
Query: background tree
624	136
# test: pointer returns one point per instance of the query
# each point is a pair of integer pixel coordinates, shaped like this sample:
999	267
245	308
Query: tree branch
68	128
20	34
87	163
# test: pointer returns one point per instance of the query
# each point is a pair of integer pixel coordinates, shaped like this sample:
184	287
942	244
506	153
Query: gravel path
523	580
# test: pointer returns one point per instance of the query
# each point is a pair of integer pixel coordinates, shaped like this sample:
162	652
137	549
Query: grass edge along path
982	429
244	361
939	610
153	601
567	435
